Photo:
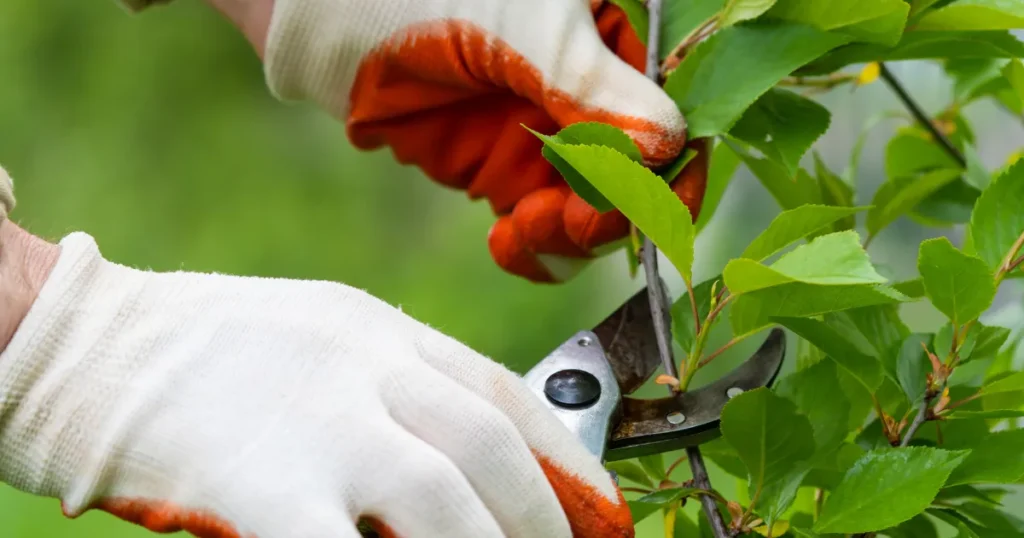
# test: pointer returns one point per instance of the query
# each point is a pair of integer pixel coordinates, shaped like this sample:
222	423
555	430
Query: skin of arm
25	263
251	17
26	260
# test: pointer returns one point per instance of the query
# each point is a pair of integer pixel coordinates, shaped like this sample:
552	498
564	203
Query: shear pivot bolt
676	417
584	342
572	388
733	392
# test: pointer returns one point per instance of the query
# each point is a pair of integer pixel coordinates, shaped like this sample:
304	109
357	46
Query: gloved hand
230	406
446	84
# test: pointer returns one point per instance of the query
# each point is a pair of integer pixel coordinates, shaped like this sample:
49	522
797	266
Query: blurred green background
156	134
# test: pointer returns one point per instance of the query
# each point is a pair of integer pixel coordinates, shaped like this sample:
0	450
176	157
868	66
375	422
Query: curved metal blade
627	336
645	427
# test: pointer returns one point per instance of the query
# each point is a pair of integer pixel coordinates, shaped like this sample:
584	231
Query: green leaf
918	45
631	472
683	326
911	288
758	56
887	487
879	329
817	394
899	195
989	495
637	16
908	153
833	260
753	311
1013	72
684	526
977	175
943	342
789	191
1004	393
971	74
983	519
962	531
724	456
918	526
997	220
860	18
975	15
996	460
666	496
641	510
782	125
835	191
742	10
913	366
654	465
990	340
586	133
867	370
960	286
793	225
669	174
680	19
950	205
721	169
643	197
772	440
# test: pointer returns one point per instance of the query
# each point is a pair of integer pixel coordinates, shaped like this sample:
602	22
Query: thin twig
700	478
719	351
657	298
922	416
1009	262
1015	264
920	116
680	459
693	308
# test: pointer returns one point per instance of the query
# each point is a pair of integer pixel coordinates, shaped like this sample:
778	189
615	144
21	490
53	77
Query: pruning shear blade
585	380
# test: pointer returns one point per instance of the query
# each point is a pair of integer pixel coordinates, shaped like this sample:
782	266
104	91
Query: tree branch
657	299
922	416
920	116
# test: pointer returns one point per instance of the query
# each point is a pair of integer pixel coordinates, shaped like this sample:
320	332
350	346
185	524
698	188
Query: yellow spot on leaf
869	74
778	529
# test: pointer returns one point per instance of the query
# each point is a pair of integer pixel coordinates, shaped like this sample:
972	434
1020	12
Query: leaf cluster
879	430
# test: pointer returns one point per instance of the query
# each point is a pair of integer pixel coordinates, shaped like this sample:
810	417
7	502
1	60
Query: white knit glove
231	406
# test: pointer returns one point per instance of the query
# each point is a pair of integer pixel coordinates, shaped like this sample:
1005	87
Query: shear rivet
584	342
733	392
676	417
572	388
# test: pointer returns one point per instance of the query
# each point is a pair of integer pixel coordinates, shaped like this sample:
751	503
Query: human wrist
251	17
25	264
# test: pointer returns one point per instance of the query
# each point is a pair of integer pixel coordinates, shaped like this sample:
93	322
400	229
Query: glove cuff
52	392
6	194
314	47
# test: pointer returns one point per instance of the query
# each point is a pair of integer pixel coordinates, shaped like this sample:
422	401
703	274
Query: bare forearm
251	17
25	262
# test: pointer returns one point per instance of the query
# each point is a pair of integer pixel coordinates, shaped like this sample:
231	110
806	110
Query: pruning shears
586	381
